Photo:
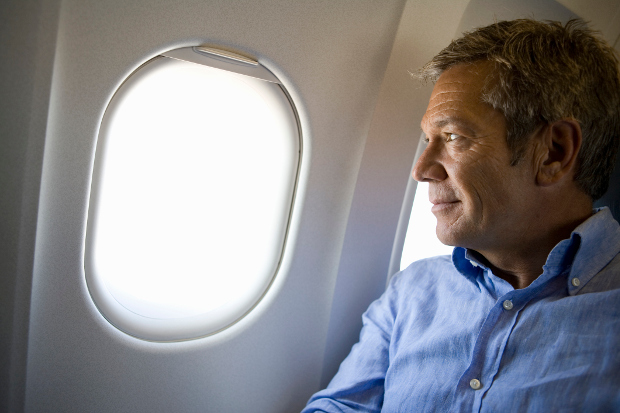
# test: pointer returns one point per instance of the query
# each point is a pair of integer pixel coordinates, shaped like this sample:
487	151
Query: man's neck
521	265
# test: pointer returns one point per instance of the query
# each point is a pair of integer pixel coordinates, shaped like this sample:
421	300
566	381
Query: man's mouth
443	204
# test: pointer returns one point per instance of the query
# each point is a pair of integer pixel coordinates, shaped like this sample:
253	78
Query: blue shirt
449	335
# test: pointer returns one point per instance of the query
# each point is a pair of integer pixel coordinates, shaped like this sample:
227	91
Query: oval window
192	190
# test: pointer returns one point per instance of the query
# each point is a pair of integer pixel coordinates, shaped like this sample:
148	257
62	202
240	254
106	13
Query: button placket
484	364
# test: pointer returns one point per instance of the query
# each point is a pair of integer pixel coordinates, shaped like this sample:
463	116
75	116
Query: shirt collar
591	246
600	243
468	263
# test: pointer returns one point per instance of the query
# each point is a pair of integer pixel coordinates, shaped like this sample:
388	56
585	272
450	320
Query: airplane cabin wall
345	64
331	57
27	39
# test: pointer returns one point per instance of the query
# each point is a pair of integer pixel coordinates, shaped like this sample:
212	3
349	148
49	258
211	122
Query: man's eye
452	137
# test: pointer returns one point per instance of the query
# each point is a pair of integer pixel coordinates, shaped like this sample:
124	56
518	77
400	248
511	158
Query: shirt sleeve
359	384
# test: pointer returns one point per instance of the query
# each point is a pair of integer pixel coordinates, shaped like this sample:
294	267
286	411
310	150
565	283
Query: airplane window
193	184
421	240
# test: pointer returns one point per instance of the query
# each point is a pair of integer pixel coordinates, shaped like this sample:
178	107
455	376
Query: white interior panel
331	58
346	66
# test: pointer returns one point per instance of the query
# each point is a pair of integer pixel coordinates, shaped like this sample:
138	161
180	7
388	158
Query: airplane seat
611	198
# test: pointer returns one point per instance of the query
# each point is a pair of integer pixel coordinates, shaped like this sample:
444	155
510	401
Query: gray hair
544	72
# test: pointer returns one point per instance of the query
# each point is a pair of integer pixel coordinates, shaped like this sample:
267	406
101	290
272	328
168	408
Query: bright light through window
192	191
421	240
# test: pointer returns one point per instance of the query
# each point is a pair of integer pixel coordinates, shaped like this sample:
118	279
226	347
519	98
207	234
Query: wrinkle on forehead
467	75
430	108
446	92
457	94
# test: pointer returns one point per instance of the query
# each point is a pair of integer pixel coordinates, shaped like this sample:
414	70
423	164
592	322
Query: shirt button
575	281
507	305
475	384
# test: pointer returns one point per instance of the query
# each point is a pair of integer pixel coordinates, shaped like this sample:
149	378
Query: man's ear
557	154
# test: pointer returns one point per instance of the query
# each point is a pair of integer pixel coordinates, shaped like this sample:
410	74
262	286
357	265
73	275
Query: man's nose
429	166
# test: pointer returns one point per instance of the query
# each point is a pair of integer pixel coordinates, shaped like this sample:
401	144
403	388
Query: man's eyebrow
458	122
444	122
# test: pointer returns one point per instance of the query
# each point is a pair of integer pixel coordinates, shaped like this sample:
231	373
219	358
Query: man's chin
451	236
445	239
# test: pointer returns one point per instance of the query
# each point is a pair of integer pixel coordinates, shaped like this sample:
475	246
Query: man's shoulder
429	265
597	262
606	279
421	273
438	261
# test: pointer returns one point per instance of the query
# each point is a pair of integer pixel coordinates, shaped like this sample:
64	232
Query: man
522	126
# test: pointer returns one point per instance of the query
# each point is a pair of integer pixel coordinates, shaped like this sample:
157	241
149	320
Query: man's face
480	201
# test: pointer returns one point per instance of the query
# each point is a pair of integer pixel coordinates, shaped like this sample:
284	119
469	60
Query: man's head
478	197
541	73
